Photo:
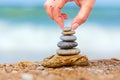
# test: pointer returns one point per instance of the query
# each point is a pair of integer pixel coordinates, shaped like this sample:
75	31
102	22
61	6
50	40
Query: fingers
49	11
65	16
77	2
86	7
49	8
53	8
60	19
58	16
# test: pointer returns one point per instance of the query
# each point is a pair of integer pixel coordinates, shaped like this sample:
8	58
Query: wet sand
104	69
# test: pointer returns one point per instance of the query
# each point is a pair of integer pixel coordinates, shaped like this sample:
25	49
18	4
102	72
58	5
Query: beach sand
104	69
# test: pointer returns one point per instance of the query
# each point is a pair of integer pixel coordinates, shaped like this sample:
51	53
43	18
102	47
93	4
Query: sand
104	69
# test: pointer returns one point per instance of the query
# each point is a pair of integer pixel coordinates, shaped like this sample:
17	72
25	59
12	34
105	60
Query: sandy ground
107	69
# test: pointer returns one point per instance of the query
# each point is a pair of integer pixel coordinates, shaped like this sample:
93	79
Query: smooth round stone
66	29
67	45
68	33
68	38
68	52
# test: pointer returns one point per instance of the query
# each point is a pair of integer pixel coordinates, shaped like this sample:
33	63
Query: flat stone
68	52
68	33
68	38
67	45
60	61
66	29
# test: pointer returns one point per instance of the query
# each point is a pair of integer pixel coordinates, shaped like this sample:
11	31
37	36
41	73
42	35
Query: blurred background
27	33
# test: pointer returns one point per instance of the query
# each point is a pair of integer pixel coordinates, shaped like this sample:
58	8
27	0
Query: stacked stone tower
68	44
67	55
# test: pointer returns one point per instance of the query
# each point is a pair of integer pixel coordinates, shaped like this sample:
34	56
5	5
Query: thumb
80	18
83	14
77	21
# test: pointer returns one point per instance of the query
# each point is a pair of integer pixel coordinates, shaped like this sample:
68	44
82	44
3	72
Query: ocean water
27	33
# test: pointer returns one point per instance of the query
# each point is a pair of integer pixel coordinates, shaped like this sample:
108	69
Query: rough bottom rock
68	52
59	61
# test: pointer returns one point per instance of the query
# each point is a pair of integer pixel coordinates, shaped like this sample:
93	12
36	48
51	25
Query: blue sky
40	2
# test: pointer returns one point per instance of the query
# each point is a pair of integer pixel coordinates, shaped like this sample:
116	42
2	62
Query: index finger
49	7
57	15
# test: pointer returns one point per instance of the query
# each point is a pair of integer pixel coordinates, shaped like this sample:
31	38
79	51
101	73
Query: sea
28	34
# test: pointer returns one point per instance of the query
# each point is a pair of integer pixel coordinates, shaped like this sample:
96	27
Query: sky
41	2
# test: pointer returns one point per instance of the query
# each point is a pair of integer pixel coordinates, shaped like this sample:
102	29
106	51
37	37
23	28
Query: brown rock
24	64
68	33
59	61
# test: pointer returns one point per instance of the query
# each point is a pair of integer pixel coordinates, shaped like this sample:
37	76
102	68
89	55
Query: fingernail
74	26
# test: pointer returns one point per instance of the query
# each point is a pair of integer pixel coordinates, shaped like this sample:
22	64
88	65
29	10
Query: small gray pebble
67	45
68	38
66	29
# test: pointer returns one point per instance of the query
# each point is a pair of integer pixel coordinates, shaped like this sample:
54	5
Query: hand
53	9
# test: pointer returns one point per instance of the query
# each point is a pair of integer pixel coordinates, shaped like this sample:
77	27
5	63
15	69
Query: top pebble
66	29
